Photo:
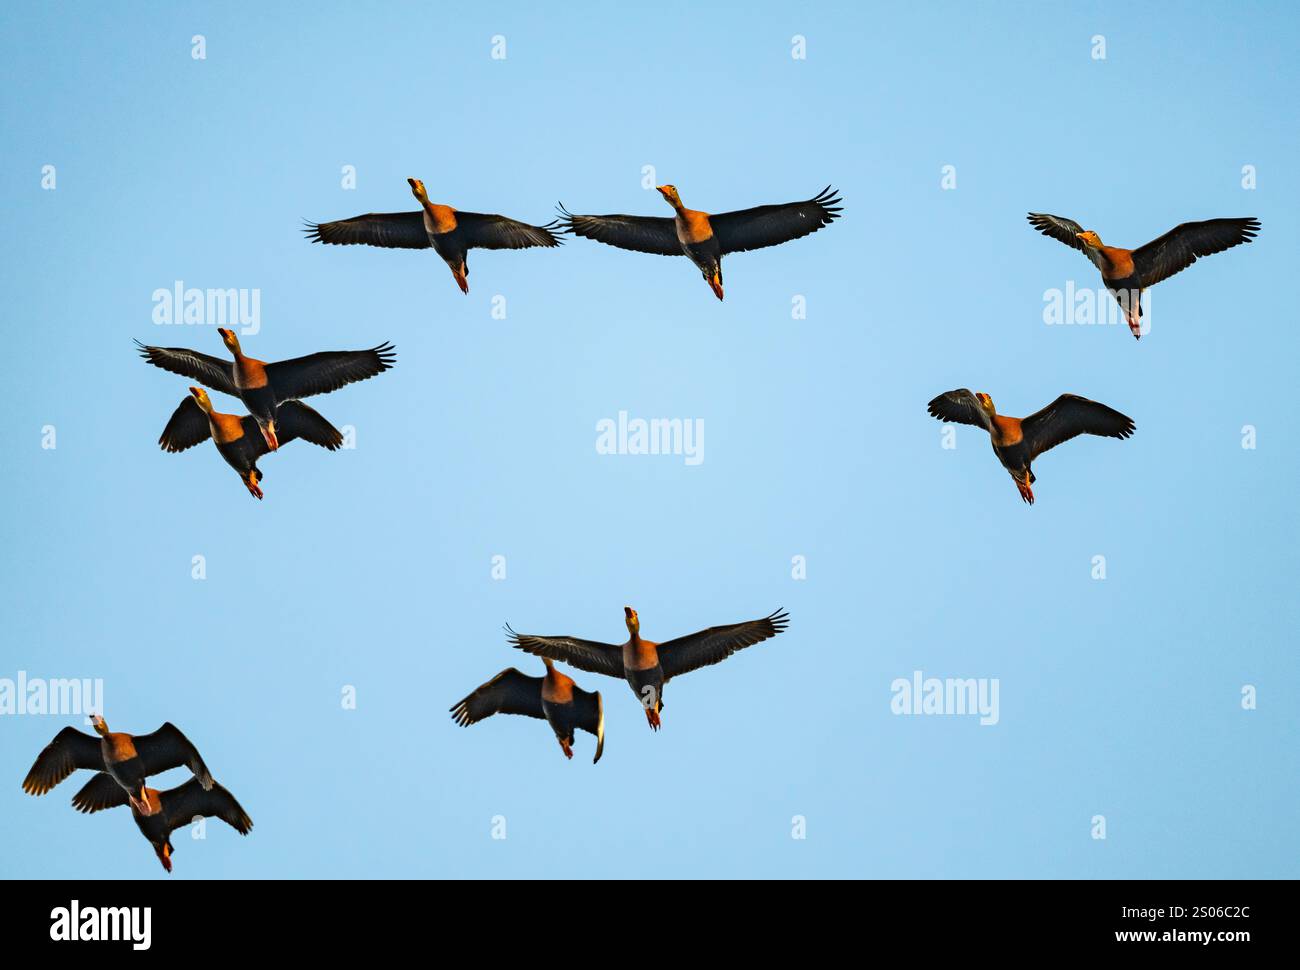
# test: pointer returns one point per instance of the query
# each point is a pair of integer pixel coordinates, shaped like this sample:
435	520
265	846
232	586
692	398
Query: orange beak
715	284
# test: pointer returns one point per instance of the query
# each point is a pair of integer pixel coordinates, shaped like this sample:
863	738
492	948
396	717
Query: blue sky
372	567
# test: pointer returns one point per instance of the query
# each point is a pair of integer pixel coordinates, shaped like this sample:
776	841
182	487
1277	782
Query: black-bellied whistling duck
1018	441
238	439
1127	272
168	810
647	665
128	760
707	238
264	387
450	232
556	698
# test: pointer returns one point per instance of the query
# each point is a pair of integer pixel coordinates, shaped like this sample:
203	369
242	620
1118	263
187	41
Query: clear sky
372	567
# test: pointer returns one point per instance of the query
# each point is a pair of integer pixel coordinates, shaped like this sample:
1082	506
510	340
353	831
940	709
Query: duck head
229	339
99	724
632	621
986	403
201	398
1090	239
417	190
669	192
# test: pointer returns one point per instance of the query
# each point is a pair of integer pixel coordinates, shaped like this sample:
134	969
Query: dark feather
169	748
1063	230
1068	417
327	371
771	225
509	692
293	419
958	407
183	804
717	643
187	427
69	751
589	655
479	231
101	792
202	368
642	234
1179	248
390	230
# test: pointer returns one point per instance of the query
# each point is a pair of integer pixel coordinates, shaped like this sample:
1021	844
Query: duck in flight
555	698
645	665
1127	272
448	231
706	238
263	386
126	760
239	440
167	810
1018	441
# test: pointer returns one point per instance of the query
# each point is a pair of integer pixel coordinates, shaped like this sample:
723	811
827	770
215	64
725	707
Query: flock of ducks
122	764
702	237
645	665
272	395
272	392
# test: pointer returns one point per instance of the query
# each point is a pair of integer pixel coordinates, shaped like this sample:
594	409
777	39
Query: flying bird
1018	441
168	810
264	387
1127	272
555	697
450	232
648	666
707	238
126	760
238	439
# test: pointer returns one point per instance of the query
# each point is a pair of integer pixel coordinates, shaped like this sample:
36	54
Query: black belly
152	827
1014	458
648	685
130	774
260	401
563	719
706	255
450	246
242	453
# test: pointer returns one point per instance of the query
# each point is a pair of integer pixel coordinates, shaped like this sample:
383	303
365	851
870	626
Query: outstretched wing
509	692
591	716
327	371
589	655
293	419
187	426
391	230
101	792
497	232
1179	248
69	751
1068	417
959	407
1063	230
183	804
642	234
209	371
169	748
717	643
771	225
